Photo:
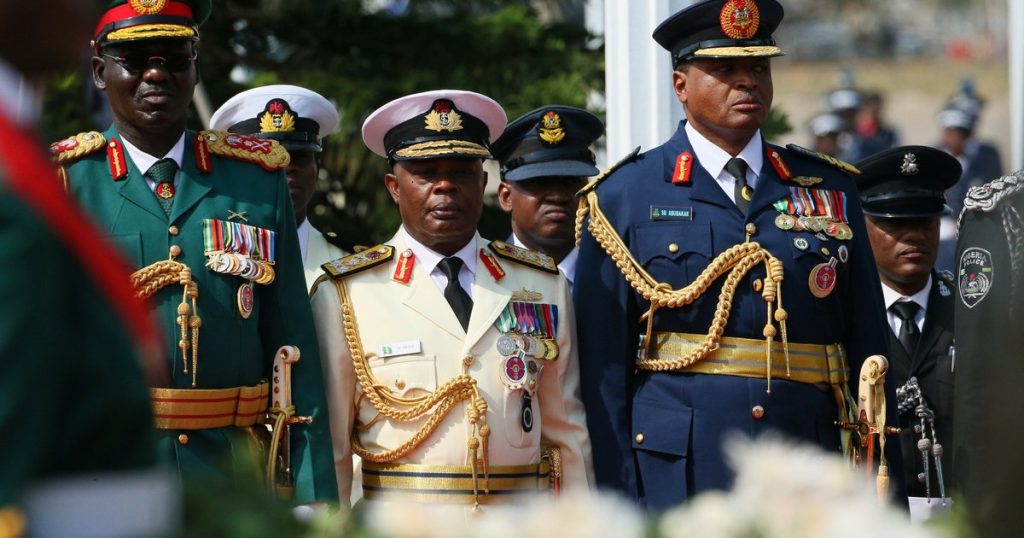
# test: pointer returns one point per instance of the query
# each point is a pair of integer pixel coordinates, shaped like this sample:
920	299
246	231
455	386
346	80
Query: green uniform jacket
232	351
72	396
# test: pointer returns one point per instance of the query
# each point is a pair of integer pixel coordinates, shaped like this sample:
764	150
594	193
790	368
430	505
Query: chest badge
822	279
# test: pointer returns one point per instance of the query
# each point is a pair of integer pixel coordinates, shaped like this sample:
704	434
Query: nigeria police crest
975	273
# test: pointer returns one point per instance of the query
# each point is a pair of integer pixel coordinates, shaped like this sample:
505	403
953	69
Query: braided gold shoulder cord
737	261
154	277
435	405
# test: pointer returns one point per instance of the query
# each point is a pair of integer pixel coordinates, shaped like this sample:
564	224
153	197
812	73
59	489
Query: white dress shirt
567	266
714	159
303	231
429	259
145	161
892	296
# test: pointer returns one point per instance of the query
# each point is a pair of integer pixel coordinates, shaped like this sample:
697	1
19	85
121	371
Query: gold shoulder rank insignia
267	153
360	261
608	171
842	165
75	147
531	258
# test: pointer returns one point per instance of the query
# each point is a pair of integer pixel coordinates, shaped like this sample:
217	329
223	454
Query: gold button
673	248
399	384
639	438
757	412
758	284
825	251
183	439
751	229
173	230
175	251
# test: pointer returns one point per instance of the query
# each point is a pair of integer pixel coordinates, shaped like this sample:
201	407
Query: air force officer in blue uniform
663	387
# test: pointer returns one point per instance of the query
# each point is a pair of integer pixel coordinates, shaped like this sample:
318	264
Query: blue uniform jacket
686	417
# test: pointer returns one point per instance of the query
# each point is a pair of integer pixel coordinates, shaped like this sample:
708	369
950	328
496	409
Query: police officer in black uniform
902	195
989	366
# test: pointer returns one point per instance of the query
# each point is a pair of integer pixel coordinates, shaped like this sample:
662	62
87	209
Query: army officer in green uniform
206	219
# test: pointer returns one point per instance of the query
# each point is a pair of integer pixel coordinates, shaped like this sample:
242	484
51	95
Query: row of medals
831	228
233	263
519	370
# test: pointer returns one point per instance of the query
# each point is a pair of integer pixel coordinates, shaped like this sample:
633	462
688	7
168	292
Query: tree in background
361	54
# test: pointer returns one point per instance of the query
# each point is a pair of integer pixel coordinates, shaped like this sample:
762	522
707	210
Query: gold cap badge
443	117
277	118
148	7
740	19
551	130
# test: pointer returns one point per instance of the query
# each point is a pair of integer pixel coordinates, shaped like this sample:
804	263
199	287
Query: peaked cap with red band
135	20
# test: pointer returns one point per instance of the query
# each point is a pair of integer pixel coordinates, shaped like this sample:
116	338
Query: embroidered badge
807	181
551	131
526	295
277	117
684	167
148	7
740	19
443	117
909	166
976	275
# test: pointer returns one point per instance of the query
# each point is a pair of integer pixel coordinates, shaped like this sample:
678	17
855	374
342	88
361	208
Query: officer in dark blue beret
902	192
545	159
724	284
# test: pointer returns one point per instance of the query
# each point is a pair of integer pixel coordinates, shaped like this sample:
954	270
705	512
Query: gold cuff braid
735	263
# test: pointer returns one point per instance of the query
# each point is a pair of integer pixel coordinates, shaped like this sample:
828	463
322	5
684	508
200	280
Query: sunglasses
135	64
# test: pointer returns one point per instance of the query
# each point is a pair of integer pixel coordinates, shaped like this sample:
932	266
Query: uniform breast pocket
407	376
673	252
130	245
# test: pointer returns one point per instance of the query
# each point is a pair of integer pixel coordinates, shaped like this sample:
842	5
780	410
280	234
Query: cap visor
551	169
739	52
436	149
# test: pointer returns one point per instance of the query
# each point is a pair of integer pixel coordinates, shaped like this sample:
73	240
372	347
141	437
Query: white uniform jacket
416	317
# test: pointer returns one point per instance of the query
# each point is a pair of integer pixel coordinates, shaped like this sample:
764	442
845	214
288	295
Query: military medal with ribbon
528	333
814	211
822	279
241	250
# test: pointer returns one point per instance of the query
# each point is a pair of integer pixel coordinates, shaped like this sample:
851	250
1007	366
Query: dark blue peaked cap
549	141
722	29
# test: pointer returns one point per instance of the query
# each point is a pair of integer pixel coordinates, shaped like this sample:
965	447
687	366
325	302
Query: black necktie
457	297
909	335
742	192
162	172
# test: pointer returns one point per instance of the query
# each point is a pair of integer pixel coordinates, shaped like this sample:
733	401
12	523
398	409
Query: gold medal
246	300
785	222
550	350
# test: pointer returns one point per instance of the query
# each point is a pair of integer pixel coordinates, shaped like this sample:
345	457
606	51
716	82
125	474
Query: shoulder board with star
827	159
527	257
989	196
75	147
360	261
267	153
608	171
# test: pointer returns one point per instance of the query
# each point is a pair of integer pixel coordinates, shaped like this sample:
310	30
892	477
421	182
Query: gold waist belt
200	409
452	484
745	357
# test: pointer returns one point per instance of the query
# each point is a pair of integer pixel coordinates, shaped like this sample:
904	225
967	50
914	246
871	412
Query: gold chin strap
434	406
735	262
152	278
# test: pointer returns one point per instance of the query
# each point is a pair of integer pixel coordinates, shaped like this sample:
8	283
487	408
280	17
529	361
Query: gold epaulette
827	159
608	171
360	261
269	154
527	257
75	147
